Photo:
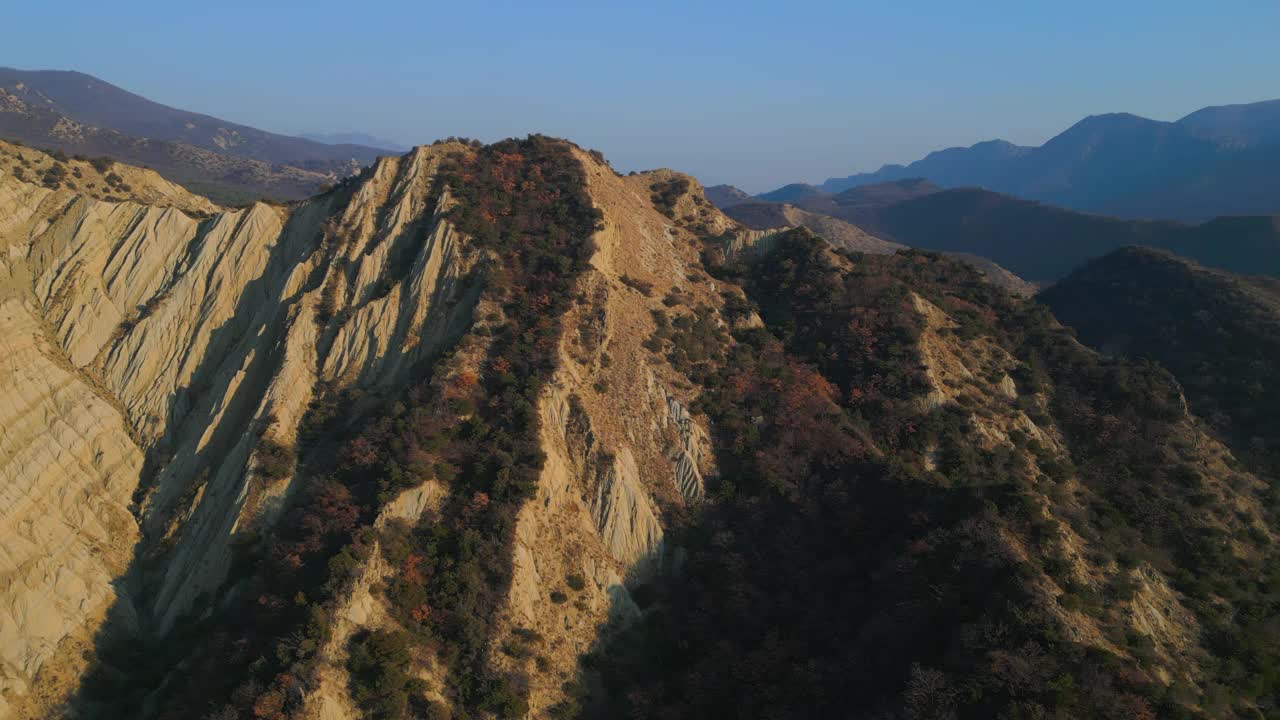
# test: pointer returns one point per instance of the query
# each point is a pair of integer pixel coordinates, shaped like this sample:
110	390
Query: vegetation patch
665	194
837	571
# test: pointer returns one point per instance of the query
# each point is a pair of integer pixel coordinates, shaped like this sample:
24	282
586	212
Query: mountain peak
1104	125
723	196
791	193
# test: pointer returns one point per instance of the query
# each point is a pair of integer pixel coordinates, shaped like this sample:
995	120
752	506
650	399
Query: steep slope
222	347
1218	333
194	329
492	431
1215	161
70	454
79	114
933	502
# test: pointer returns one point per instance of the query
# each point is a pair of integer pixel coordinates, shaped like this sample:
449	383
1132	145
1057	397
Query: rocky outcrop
688	453
745	244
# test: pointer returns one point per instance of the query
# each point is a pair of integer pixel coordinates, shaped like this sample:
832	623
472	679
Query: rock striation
153	342
150	344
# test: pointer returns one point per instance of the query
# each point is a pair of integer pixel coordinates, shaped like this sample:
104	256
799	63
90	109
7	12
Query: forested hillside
1218	333
935	503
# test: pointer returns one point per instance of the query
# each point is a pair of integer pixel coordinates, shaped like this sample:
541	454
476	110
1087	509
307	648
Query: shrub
275	460
665	194
380	664
640	286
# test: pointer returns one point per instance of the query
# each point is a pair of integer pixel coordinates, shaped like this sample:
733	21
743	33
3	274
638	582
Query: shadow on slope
865	551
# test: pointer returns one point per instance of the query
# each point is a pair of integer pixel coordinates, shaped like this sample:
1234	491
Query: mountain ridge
1036	241
89	100
355	138
80	114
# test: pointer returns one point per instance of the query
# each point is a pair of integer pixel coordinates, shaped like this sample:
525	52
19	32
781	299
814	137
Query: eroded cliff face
622	455
623	452
150	346
155	344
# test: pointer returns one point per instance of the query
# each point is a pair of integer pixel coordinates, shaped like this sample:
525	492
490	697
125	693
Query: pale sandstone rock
145	333
67	471
131	329
617	439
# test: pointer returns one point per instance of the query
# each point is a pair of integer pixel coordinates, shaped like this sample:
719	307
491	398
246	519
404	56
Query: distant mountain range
760	215
722	196
1216	161
356	138
1038	242
80	114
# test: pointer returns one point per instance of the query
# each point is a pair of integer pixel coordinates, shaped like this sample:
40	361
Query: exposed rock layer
154	343
148	348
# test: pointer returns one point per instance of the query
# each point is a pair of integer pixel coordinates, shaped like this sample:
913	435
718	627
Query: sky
749	93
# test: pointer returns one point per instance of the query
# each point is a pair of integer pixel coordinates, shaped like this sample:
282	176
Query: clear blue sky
755	94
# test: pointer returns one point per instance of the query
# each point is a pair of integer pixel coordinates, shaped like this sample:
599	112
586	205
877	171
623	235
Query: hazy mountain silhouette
723	196
1245	125
1038	242
791	193
1216	161
86	99
355	138
80	114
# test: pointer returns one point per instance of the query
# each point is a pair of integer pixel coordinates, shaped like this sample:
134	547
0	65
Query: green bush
380	664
